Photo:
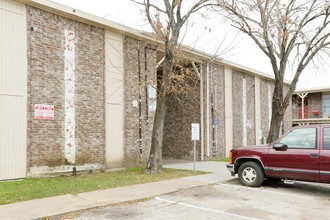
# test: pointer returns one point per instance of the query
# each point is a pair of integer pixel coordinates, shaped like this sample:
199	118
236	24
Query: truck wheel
250	174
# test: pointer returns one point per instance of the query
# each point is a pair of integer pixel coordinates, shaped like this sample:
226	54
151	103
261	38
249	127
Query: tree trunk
277	112
275	126
155	157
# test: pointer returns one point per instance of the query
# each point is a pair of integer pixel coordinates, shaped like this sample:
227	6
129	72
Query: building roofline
88	18
313	90
208	57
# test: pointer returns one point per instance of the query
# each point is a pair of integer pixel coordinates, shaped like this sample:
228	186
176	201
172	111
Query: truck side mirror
280	146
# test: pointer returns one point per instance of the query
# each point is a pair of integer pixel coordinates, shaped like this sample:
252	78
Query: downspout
200	75
216	120
213	124
140	103
146	84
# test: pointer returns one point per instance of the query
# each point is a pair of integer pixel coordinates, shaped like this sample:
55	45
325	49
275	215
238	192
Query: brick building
79	91
311	106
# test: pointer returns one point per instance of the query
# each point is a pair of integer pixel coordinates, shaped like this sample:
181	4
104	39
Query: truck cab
303	153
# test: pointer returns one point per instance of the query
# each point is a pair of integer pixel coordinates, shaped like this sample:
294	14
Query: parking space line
264	190
204	209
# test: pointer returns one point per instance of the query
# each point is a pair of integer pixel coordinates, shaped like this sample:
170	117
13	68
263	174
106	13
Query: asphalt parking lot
227	200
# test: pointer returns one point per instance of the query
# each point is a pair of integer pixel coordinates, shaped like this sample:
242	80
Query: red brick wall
46	139
140	71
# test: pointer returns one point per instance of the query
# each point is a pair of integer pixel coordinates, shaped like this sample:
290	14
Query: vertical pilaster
69	81
258	131
228	110
269	105
244	113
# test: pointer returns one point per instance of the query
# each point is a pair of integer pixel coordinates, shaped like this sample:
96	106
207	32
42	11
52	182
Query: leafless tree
167	18
289	32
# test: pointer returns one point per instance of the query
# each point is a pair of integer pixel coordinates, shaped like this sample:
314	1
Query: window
326	105
326	138
303	138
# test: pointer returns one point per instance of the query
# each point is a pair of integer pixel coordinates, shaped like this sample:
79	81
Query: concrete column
70	112
270	105
257	91
244	113
228	110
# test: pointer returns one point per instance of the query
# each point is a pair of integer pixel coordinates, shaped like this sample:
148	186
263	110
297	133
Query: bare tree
167	18
289	32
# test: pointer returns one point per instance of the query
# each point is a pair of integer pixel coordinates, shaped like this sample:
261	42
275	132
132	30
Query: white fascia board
312	90
85	17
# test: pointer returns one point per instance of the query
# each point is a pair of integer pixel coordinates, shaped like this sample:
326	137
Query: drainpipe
200	75
146	84
140	104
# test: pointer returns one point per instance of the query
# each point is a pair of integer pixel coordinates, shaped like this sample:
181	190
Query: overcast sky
202	35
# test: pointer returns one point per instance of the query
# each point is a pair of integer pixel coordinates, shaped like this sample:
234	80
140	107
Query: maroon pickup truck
303	154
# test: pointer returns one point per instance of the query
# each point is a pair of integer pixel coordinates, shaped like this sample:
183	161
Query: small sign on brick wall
195	131
44	112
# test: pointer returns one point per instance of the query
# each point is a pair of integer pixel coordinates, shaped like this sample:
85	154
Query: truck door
300	160
325	155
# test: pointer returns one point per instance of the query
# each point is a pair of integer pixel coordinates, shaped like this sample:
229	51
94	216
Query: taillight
231	157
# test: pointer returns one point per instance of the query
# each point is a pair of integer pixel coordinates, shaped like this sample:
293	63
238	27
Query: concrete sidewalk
58	205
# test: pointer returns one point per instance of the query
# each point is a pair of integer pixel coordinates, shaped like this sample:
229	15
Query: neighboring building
79	91
311	106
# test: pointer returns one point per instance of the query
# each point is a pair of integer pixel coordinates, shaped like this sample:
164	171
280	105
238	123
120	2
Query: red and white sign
44	112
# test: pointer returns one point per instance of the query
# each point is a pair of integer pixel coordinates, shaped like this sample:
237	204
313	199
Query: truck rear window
326	138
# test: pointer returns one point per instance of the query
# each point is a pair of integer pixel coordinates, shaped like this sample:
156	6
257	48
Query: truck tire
251	174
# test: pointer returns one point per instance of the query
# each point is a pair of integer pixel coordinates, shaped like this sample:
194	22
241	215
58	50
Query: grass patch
34	188
226	159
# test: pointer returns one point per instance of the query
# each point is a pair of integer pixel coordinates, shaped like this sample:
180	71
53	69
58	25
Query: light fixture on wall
34	28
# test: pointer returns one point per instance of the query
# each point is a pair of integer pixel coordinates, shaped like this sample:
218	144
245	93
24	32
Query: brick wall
217	118
315	103
182	111
185	109
294	103
266	90
90	94
250	89
287	119
140	71
46	138
238	109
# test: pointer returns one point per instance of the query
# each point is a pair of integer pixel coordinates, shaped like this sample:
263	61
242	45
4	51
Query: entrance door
13	90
